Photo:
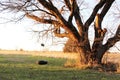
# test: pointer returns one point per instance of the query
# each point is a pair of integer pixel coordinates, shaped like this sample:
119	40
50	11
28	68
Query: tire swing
42	62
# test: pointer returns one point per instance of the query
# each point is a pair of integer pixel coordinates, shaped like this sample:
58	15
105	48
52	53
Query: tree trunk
87	55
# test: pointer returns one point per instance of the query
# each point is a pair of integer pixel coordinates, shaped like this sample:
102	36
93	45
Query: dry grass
113	58
55	54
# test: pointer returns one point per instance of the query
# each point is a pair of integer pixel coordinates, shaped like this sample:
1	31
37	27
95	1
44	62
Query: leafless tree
66	20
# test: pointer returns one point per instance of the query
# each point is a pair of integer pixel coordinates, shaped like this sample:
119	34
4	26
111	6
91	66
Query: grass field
23	67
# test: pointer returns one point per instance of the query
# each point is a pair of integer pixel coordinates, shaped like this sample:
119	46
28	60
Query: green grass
24	67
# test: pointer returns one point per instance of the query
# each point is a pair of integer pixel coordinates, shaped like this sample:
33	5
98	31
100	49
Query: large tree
66	20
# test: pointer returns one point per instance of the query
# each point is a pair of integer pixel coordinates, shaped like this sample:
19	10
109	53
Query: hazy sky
18	36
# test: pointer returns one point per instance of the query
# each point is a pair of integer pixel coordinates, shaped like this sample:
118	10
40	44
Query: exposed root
107	67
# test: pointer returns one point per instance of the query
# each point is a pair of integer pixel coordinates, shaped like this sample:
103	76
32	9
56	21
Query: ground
21	65
112	57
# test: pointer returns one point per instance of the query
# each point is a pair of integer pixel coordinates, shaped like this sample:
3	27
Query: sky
18	35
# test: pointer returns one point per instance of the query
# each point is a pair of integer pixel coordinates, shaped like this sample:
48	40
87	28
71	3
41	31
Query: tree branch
67	2
61	35
106	8
51	8
78	18
99	33
74	12
99	17
66	25
71	11
92	17
111	41
41	20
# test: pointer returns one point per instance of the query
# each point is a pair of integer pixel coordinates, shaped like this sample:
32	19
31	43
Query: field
21	65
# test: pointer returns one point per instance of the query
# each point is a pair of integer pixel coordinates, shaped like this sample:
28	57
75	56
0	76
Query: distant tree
65	19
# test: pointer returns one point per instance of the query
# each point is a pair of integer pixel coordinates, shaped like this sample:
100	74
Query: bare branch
66	25
106	8
53	10
92	17
67	2
42	10
14	5
78	18
50	2
50	7
41	20
49	21
111	41
71	11
99	33
62	35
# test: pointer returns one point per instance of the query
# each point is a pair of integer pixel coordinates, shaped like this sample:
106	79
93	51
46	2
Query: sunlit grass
24	67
